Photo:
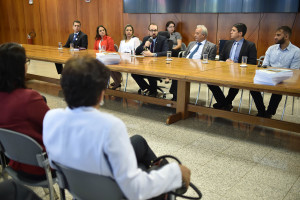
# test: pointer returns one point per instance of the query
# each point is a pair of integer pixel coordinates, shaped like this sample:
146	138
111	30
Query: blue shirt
286	58
237	51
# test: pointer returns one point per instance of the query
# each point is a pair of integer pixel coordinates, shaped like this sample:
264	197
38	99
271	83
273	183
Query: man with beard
283	54
152	45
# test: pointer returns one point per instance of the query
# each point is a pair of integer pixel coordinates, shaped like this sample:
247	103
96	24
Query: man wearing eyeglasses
152	45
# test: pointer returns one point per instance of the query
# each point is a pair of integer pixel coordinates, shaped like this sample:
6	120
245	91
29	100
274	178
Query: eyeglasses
27	61
153	30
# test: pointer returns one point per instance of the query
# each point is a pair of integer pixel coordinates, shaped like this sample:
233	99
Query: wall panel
49	22
269	23
88	15
295	39
66	14
162	19
4	28
32	19
111	16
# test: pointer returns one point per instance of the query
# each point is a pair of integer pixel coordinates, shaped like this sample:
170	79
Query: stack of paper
108	59
272	76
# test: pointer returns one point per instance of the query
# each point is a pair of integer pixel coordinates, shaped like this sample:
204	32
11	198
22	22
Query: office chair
24	149
85	185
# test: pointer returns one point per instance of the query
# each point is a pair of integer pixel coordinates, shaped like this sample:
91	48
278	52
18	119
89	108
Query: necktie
75	36
152	47
234	52
192	54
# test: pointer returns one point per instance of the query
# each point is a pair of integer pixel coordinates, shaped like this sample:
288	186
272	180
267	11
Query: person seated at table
233	51
78	38
22	109
152	46
105	43
175	37
195	50
283	54
87	139
130	42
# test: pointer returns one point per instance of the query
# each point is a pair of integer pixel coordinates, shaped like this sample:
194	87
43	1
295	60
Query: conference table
185	71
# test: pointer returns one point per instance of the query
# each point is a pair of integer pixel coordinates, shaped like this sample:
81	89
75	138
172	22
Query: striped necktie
192	54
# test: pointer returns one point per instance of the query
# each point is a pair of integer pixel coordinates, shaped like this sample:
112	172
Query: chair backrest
84	185
221	45
20	147
167	35
183	47
116	47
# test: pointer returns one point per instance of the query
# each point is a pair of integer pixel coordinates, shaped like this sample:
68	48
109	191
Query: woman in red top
22	109
101	40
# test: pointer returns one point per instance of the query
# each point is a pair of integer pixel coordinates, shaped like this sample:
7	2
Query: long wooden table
185	71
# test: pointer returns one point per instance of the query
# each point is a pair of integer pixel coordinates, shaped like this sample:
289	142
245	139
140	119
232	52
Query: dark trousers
59	68
143	152
173	88
273	104
220	97
140	80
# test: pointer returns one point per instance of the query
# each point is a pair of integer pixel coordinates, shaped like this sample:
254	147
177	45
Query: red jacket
107	41
23	110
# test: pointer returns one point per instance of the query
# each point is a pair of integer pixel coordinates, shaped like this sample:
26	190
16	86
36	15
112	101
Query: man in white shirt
89	140
283	54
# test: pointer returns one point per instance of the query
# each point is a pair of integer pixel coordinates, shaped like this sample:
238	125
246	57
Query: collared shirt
81	138
286	58
75	36
236	49
153	42
198	54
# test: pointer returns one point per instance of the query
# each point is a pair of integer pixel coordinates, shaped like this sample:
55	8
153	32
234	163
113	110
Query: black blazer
81	40
248	49
161	46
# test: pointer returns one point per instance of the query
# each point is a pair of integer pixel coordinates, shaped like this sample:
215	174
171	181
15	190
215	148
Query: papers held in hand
108	59
272	76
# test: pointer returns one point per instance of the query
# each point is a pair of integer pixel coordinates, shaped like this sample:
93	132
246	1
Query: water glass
103	48
71	46
60	45
169	54
132	53
244	61
205	58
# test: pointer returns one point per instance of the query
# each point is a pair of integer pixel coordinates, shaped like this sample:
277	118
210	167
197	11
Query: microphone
150	40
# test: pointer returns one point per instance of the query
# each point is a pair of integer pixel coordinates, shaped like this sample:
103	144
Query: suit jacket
209	48
161	46
81	40
248	49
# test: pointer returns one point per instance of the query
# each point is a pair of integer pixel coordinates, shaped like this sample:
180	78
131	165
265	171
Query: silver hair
204	29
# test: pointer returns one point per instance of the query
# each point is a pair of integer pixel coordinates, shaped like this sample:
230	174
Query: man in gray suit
195	50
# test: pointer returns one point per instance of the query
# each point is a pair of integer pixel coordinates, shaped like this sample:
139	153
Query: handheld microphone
150	40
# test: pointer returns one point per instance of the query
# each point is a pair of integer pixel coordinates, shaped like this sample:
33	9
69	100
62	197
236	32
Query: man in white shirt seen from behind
87	139
283	54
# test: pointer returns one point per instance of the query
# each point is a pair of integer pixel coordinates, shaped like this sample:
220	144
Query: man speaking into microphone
152	45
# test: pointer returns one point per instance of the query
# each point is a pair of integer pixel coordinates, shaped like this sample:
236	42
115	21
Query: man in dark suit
232	52
78	38
152	45
195	50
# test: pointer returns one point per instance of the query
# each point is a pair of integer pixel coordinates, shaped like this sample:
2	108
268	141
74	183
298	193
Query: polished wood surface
215	72
52	22
185	71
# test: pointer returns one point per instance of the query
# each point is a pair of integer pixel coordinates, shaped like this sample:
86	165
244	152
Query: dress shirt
286	58
153	43
235	50
198	54
126	47
81	138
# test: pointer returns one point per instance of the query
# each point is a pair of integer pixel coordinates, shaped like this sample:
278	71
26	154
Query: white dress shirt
78	138
286	58
132	44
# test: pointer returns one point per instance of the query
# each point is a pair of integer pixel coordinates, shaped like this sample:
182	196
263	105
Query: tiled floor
228	160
